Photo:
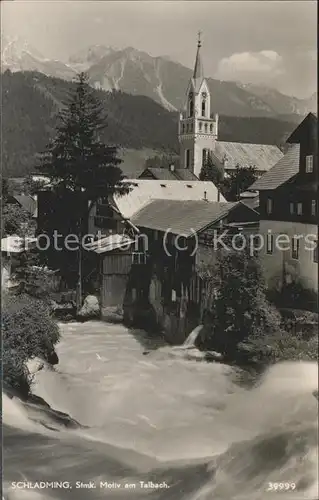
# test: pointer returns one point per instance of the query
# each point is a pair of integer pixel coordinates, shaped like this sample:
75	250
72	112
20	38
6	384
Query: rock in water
35	365
90	308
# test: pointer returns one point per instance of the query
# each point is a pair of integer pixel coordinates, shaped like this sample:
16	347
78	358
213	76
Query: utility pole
79	283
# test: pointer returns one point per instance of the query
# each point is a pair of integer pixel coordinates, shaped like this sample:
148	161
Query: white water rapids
161	418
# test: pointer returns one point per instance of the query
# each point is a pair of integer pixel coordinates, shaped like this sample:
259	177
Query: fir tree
211	172
76	159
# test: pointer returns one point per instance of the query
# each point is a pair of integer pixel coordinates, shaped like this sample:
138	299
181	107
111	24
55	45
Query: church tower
197	130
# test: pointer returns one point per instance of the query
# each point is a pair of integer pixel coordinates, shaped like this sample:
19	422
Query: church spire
198	69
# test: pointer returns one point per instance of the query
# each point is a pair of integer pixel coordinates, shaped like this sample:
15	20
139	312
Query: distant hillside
137	124
30	102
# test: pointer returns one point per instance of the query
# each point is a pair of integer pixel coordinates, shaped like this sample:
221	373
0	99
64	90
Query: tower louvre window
188	158
200	125
203	107
205	157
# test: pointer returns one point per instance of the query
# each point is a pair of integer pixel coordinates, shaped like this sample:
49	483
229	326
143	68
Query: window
206	128
205	156
295	247
270	243
191	105
188	158
191	127
315	253
313	207
200	125
309	164
269	205
299	208
203	107
292	208
211	127
138	258
163	185
187	127
183	129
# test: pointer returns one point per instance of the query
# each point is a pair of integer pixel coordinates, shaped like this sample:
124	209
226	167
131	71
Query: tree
76	159
239	309
77	162
239	181
32	186
212	172
28	331
15	220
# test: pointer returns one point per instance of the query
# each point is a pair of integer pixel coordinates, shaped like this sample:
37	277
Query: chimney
172	167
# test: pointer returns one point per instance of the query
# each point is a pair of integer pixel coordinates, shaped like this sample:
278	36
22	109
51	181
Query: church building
198	129
198	133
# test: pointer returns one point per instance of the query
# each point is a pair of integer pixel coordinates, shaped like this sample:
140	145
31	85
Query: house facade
177	239
289	212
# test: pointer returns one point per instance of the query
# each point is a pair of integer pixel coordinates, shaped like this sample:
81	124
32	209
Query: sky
262	42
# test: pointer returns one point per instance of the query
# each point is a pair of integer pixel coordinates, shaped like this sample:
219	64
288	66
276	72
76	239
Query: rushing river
162	418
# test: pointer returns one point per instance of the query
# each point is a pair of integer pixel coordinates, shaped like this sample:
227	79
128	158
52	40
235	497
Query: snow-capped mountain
18	55
160	78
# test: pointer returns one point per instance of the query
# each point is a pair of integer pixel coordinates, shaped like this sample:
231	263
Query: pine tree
211	172
76	159
81	167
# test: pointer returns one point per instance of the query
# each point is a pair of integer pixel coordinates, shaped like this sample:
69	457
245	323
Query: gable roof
309	122
181	217
164	174
145	190
261	156
286	168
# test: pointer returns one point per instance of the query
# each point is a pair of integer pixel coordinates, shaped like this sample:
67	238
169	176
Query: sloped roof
109	243
164	174
310	121
184	174
199	67
181	217
286	168
27	203
146	190
261	156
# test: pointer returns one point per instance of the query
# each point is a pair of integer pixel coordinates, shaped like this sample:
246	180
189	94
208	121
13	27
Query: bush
281	346
28	331
239	308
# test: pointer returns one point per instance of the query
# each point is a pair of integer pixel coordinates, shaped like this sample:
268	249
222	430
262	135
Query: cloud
250	67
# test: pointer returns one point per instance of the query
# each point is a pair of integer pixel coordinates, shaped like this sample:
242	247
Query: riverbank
175	415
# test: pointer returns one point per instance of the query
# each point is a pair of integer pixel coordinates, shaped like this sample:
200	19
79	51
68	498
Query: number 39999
281	486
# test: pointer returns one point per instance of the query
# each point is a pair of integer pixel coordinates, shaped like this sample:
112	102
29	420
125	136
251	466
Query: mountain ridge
160	78
31	101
